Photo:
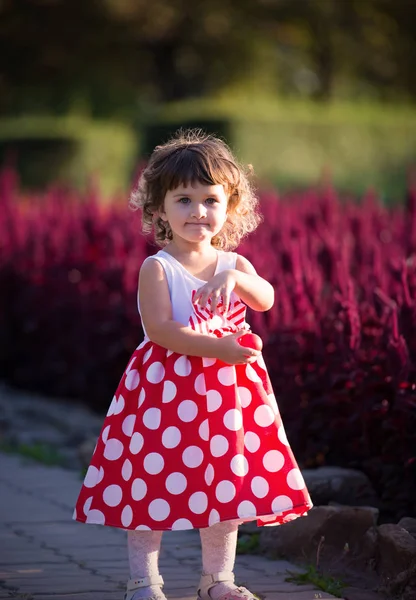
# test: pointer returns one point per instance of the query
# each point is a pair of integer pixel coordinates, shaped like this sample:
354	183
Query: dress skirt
189	442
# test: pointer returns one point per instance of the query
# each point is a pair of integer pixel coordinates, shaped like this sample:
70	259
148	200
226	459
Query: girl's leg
143	550
219	543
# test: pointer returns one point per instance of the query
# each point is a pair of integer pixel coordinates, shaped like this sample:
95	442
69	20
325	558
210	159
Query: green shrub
290	143
69	149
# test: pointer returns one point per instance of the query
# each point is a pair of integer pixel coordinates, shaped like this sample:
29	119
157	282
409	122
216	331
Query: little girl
193	437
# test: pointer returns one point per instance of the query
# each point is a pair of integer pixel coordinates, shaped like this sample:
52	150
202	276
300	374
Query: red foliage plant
340	340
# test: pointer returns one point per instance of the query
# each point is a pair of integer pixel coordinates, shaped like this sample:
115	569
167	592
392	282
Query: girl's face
195	213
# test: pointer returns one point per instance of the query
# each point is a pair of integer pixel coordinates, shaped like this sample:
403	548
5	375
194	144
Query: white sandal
134	584
209	581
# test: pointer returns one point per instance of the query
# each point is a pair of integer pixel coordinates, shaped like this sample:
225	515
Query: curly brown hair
190	156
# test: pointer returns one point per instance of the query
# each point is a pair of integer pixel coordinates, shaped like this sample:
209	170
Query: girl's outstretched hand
219	286
232	353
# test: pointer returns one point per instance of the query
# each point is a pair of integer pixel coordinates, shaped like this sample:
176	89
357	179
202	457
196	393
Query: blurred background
89	86
320	97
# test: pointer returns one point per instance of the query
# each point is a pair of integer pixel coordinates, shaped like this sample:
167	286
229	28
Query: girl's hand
221	285
232	353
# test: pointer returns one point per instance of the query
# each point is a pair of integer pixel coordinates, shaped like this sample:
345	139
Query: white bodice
181	282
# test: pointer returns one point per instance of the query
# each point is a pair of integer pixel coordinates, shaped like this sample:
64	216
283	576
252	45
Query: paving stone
45	553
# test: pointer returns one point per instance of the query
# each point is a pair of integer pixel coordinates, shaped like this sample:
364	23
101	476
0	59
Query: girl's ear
160	214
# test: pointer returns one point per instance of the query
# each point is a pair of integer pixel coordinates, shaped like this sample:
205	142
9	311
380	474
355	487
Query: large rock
409	524
345	486
338	530
396	550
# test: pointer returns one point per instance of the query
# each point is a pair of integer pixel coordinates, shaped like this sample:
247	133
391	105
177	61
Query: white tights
218	544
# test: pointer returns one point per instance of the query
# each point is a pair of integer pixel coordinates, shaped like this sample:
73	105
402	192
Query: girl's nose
198	211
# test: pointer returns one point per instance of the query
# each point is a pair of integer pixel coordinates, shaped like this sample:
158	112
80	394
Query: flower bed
340	341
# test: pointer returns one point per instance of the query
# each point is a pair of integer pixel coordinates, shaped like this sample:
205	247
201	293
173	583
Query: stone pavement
45	555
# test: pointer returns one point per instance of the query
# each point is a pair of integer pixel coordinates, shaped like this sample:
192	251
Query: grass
39	451
326	583
248	544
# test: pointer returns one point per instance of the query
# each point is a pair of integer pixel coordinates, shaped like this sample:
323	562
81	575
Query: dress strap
226	260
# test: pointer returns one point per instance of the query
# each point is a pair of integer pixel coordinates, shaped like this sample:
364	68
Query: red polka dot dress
188	442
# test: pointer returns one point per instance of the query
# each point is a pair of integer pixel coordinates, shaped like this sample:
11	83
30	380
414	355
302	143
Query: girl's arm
255	291
156	311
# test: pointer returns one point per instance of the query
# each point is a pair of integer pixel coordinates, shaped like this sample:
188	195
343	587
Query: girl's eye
184	200
210	200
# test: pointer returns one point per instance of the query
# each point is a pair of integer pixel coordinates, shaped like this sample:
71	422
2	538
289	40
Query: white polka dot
105	433
138	489
112	495
182	366
116	406
130	364
113	449
281	434
112	407
214	517
268	518
155	373
200	385
87	505
252	374
244	395
273	461
159	509
259	487
126	516
153	463
192	456
169	392
218	445
282	503
226	375
233	419
225	491
143	528
251	441
127	470
239	465
142	397
208	362
264	416
261	363
136	443
171	437
214	400
128	425
204	430
119	405
176	483
198	503
273	403
246	509
187	411
295	480
209	474
92	477
152	417
182	524
96	517
132	380
147	354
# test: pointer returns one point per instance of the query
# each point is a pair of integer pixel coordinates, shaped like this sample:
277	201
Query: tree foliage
54	53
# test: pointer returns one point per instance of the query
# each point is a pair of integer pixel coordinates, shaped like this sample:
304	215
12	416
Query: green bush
290	143
69	149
